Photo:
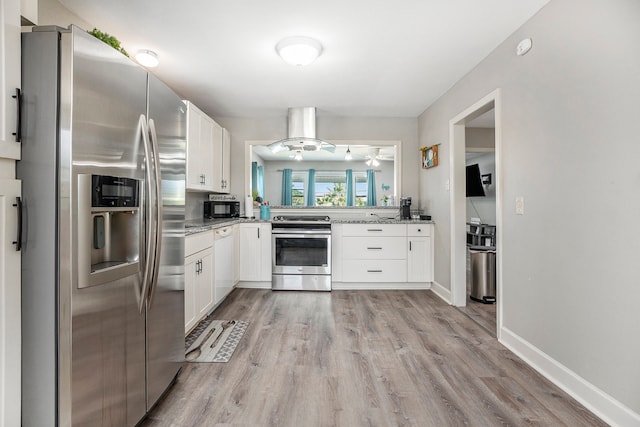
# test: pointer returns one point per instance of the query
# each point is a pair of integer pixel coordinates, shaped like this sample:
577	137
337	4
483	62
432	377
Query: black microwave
221	209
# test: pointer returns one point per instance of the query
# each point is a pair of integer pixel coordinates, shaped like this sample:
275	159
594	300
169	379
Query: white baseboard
254	285
345	286
597	401
441	291
351	286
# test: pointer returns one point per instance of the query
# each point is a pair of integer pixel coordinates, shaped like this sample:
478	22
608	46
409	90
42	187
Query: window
298	180
331	189
360	188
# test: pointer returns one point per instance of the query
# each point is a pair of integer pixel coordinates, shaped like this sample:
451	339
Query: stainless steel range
301	253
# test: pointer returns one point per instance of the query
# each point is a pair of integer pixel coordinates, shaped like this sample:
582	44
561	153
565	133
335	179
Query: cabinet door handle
374	271
18	242
258	233
18	132
374	248
410	243
374	229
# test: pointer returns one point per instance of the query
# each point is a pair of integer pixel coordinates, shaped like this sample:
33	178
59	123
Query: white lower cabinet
224	254
420	253
236	254
382	253
374	253
10	320
199	290
255	252
374	270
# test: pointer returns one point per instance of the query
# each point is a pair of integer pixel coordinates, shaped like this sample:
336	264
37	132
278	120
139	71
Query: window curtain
349	179
260	178
311	188
371	187
287	186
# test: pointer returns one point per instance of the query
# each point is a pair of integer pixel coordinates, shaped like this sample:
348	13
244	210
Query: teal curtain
371	187
311	188
287	186
254	178
349	178
260	179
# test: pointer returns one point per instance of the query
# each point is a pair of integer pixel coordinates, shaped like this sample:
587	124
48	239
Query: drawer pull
374	271
374	248
374	229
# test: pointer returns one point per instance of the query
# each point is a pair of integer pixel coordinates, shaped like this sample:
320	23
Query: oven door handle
299	231
305	235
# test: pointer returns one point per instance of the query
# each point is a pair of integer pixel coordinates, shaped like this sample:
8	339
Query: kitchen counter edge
195	226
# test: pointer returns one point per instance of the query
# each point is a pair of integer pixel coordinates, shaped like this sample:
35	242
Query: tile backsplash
194	205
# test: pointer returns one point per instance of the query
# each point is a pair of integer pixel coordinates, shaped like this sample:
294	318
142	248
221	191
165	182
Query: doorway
458	200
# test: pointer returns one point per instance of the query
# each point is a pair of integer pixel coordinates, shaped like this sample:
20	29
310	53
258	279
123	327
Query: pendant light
348	156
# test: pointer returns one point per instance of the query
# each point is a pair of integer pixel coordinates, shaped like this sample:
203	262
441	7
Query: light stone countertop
199	226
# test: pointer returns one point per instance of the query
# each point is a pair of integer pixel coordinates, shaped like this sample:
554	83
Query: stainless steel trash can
483	275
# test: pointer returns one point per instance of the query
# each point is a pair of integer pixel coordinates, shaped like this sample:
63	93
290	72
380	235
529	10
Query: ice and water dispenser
109	228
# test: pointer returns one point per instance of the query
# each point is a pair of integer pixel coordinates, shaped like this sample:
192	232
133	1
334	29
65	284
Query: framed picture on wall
429	156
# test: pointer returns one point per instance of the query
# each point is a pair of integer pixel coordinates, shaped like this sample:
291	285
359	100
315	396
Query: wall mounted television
474	181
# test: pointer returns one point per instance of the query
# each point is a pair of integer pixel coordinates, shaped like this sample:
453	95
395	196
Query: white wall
570	109
52	12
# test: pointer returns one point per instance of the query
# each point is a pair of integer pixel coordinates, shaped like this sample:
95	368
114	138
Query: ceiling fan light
298	156
299	51
147	58
375	162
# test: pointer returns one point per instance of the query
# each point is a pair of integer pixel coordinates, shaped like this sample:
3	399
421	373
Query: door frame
457	199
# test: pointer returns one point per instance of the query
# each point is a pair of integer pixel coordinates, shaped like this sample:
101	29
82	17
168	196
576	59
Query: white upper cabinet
217	158
9	78
200	135
208	153
226	160
221	159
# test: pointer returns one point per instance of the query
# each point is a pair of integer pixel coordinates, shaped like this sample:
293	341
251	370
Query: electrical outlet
519	205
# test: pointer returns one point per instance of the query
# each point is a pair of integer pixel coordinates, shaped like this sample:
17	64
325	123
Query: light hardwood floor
362	358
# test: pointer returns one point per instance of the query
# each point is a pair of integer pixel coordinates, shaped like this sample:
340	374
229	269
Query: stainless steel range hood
301	135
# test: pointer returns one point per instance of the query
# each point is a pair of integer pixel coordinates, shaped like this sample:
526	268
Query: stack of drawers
374	253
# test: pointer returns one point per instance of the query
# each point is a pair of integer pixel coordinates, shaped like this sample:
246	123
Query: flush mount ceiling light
348	155
299	51
147	58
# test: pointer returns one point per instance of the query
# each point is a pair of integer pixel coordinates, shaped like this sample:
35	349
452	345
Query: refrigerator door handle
158	212
149	215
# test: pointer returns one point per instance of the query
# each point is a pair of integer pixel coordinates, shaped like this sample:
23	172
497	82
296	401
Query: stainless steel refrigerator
103	171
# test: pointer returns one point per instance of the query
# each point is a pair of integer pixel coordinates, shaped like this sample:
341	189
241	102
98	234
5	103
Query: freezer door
165	310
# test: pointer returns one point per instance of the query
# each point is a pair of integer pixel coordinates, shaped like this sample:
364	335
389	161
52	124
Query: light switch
519	205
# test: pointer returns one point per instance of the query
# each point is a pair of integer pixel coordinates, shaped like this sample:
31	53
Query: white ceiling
380	58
